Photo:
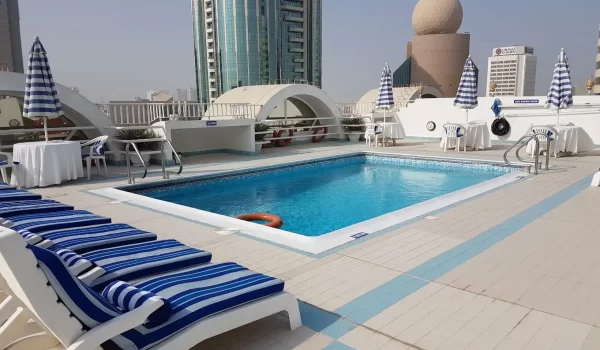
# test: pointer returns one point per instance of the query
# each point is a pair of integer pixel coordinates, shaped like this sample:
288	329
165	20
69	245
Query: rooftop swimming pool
325	202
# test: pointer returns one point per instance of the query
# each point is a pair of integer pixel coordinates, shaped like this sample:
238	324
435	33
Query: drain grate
359	235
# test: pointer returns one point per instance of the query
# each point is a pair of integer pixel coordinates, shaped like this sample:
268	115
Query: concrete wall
520	116
194	137
438	60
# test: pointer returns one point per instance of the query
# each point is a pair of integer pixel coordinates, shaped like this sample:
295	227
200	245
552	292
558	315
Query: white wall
196	136
520	116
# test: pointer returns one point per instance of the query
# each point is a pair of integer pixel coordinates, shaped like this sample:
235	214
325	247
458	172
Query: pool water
320	197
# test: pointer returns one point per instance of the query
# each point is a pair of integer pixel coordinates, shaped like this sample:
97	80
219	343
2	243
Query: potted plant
139	134
354	127
260	137
304	131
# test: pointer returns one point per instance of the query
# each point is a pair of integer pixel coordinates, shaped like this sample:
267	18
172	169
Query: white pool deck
514	268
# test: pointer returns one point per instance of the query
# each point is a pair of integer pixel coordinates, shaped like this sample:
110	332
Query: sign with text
211	123
531	101
513	50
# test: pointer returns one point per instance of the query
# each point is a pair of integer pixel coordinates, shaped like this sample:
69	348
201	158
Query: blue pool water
320	197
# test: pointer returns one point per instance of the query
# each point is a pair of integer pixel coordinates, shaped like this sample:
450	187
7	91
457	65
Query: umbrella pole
557	116
467	115
46	128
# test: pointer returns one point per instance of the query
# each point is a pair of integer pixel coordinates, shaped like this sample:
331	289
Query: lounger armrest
129	320
91	275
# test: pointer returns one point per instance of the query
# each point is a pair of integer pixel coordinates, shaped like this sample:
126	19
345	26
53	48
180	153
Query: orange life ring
283	142
273	220
316	139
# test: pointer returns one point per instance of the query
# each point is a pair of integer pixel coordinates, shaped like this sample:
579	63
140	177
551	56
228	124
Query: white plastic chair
544	132
456	132
373	131
95	152
8	163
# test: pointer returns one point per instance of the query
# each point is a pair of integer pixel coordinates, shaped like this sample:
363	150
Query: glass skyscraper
255	42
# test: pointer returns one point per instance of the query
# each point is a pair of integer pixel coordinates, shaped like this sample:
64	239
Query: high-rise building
11	58
596	89
513	70
254	42
191	95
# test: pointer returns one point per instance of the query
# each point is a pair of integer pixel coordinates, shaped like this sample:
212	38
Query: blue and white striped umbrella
385	96
560	95
466	97
41	98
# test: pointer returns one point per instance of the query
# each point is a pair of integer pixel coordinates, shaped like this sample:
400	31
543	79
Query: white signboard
512	50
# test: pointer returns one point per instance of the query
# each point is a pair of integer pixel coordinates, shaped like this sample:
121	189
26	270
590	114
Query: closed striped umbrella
385	96
41	98
466	97
560	95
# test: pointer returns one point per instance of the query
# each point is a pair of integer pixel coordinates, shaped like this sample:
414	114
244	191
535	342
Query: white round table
567	141
47	163
477	137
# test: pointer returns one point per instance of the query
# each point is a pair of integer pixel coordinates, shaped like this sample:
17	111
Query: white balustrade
146	113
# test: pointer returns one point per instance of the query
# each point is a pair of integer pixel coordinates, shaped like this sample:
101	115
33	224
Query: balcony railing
147	113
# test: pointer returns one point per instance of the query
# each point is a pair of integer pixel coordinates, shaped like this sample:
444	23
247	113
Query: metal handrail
537	152
178	159
522	140
131	177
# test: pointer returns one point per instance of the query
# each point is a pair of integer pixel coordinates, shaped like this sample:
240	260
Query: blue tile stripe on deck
375	301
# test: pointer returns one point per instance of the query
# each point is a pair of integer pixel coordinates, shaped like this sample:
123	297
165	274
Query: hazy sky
118	49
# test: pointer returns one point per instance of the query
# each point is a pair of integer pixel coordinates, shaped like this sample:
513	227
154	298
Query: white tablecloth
47	163
568	141
477	137
393	130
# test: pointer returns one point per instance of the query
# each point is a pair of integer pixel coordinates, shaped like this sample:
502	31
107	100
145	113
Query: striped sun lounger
5	186
187	297
10	209
89	238
134	261
36	223
8	195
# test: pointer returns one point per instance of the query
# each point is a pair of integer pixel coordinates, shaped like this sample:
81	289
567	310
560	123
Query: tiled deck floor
537	287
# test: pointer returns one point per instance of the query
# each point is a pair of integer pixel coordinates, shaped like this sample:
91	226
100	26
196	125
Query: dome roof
437	17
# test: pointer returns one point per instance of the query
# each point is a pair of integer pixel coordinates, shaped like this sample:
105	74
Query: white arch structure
270	96
402	95
79	109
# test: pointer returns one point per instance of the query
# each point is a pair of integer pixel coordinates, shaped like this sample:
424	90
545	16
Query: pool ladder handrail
522	142
162	159
131	176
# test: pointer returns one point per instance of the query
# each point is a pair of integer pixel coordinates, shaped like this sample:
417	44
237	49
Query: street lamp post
493	87
589	84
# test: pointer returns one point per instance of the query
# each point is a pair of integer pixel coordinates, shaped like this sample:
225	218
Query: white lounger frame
30	297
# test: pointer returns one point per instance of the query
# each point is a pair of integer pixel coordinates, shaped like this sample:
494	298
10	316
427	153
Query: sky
117	50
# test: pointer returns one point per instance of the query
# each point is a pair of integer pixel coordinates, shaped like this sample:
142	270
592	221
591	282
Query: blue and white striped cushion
94	237
5	186
84	303
74	261
197	293
128	298
10	209
17	195
41	222
133	261
194	294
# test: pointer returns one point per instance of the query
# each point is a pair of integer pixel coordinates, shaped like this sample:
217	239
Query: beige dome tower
438	52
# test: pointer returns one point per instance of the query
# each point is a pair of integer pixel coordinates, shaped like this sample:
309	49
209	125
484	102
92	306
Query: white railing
37	134
296	129
357	109
147	113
